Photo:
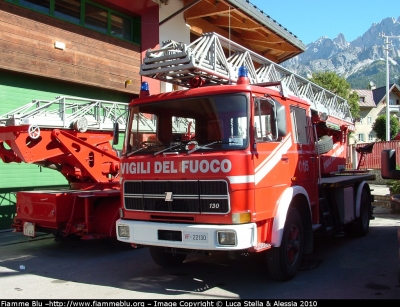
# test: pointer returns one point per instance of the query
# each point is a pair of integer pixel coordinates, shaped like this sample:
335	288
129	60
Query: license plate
195	236
29	229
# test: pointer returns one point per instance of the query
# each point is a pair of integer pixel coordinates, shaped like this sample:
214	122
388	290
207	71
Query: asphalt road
339	268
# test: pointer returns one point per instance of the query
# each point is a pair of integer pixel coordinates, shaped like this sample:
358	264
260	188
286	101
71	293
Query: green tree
379	126
339	86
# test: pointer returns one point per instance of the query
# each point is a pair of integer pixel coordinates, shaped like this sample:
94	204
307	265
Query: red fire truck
73	136
261	169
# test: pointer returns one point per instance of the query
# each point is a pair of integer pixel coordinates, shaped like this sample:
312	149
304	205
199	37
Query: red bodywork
86	159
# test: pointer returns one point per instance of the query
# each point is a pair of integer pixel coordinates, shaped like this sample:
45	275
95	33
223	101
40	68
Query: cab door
306	173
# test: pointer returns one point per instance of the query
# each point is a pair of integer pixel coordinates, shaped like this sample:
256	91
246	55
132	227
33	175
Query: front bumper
187	236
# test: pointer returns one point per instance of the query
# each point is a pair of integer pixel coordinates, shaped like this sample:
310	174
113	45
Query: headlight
227	237
123	231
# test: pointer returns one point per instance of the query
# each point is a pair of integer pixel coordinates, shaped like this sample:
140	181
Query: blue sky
311	19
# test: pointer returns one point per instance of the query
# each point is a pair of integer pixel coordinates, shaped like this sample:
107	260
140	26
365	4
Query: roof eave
268	22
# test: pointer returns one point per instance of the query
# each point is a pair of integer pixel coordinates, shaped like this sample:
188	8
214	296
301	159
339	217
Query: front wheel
167	259
283	262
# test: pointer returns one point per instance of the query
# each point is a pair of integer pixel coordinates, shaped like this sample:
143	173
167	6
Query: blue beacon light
243	72
243	75
144	89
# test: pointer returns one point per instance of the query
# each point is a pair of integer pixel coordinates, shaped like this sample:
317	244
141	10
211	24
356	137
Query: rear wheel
283	262
360	226
165	258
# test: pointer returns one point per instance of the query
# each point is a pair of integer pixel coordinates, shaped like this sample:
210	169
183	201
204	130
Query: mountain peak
340	40
357	61
340	37
389	20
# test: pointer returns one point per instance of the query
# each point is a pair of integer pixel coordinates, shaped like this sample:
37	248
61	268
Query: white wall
174	29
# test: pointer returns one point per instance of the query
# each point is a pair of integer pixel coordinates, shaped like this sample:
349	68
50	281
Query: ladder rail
64	111
178	62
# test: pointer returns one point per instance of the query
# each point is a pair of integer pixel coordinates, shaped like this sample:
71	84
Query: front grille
188	196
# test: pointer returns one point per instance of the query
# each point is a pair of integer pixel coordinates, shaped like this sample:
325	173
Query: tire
325	144
360	226
166	259
283	262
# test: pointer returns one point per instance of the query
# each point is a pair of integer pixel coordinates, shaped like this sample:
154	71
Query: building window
370	137
360	120
89	15
68	10
361	99
37	5
96	18
361	137
369	120
121	26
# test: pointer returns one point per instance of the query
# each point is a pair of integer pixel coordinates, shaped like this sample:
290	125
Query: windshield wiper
173	146
146	145
132	152
205	146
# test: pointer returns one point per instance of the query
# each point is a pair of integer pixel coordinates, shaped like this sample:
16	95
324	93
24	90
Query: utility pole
386	47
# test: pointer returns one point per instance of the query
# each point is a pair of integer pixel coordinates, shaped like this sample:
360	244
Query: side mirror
116	133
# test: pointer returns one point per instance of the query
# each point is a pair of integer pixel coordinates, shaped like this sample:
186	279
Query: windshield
187	125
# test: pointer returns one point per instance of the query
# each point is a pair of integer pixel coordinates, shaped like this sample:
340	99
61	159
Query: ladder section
66	112
179	63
